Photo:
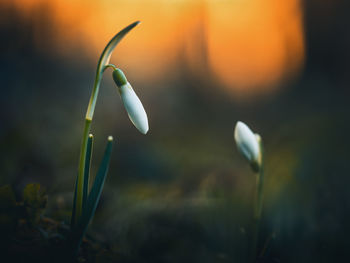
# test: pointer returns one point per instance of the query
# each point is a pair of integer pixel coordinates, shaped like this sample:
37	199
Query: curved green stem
110	66
102	63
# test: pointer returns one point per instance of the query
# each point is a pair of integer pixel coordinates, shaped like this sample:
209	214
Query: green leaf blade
88	155
87	170
93	198
97	187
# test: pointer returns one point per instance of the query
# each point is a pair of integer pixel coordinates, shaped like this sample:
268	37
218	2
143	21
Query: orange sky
250	44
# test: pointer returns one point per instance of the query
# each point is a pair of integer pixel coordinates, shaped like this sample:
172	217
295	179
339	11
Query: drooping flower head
131	101
248	144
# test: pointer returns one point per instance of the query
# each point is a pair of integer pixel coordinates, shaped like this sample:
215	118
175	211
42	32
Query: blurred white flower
132	103
248	144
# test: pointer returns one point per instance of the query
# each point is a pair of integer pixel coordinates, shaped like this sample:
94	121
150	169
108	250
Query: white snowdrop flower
248	144
132	103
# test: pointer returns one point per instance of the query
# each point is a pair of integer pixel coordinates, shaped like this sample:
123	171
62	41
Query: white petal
247	142
134	108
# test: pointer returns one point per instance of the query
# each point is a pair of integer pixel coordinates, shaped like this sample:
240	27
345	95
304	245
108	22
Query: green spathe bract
85	203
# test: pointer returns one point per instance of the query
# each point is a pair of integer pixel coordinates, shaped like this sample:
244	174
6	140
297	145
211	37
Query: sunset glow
250	44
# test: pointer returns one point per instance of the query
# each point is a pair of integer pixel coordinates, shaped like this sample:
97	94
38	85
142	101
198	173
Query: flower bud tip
144	131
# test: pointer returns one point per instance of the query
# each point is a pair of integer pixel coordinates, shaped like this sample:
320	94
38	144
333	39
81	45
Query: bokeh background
182	193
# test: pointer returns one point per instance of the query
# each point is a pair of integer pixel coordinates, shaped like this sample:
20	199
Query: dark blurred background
182	193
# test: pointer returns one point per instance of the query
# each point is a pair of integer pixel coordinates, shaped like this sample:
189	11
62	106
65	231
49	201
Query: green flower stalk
251	147
103	63
85	201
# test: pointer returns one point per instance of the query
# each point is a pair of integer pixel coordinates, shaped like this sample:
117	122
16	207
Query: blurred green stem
258	204
88	119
